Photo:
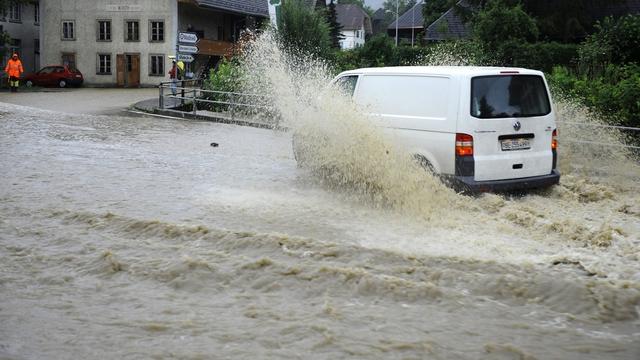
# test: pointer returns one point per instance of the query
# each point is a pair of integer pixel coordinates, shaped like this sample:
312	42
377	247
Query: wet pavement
80	100
135	238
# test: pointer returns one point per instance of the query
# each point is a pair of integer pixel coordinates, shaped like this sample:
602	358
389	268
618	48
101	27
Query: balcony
215	47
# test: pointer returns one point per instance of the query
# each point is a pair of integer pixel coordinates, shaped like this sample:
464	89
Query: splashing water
350	155
118	228
333	138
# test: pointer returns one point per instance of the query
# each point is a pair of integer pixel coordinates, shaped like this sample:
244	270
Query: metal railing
176	90
603	126
189	96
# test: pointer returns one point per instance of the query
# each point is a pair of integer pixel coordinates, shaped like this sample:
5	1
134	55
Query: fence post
161	98
194	102
233	106
181	82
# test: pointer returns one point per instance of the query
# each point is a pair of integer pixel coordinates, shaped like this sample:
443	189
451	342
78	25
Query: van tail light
554	140
464	145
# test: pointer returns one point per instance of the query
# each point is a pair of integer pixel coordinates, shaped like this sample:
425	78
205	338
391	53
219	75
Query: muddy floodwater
134	238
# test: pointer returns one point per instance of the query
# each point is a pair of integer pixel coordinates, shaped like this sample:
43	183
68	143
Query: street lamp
397	16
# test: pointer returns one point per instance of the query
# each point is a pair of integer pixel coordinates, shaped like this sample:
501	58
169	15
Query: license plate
515	144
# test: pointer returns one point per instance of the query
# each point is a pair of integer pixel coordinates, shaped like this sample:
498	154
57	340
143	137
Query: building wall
352	38
86	47
27	30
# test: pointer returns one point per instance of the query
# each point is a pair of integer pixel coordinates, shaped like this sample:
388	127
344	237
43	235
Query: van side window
509	96
348	84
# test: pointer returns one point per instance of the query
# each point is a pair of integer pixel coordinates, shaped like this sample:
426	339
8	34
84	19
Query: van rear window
503	96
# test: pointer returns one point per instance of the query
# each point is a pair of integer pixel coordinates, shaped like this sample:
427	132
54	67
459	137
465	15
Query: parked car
481	128
54	75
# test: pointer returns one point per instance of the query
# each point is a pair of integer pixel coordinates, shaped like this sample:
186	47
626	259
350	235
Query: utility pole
397	16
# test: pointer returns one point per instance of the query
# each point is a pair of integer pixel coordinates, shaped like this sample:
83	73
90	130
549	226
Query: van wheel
425	164
62	83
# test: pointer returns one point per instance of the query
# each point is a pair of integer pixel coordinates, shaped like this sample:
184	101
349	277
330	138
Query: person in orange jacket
14	69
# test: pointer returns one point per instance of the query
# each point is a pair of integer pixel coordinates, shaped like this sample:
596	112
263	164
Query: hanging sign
187	37
187	49
185	58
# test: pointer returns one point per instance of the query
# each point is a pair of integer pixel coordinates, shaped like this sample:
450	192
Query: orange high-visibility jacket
14	68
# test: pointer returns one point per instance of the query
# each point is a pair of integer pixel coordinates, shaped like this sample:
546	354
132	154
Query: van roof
442	70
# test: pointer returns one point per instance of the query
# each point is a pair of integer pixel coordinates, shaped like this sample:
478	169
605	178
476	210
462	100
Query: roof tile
249	7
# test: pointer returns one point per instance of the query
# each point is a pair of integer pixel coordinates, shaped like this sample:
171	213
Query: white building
22	23
356	25
128	42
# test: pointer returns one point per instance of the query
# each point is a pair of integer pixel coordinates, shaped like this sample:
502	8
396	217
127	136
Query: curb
215	119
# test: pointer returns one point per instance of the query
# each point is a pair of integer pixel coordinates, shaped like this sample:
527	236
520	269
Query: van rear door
511	121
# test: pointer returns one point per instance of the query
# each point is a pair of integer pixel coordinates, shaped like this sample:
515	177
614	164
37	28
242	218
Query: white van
484	128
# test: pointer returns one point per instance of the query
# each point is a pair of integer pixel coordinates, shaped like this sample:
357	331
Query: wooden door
120	70
133	70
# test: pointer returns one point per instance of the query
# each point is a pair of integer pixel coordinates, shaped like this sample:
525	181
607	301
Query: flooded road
134	238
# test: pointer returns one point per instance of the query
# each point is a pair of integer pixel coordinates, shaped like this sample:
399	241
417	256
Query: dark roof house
353	17
412	18
246	7
449	26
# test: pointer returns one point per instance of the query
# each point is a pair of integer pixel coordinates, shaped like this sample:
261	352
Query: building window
104	64
156	65
104	30
36	13
156	31
14	12
132	32
68	30
69	59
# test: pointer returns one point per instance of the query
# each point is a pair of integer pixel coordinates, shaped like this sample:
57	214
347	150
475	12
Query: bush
498	23
615	42
227	78
541	56
615	93
303	31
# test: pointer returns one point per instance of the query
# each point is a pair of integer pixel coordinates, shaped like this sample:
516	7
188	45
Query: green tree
433	9
321	5
614	42
335	29
498	23
557	20
302	29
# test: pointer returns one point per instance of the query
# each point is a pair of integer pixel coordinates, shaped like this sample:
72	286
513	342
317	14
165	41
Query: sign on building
123	8
187	37
187	49
185	58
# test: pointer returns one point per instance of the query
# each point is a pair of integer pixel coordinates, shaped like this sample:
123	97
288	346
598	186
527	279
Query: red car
54	75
